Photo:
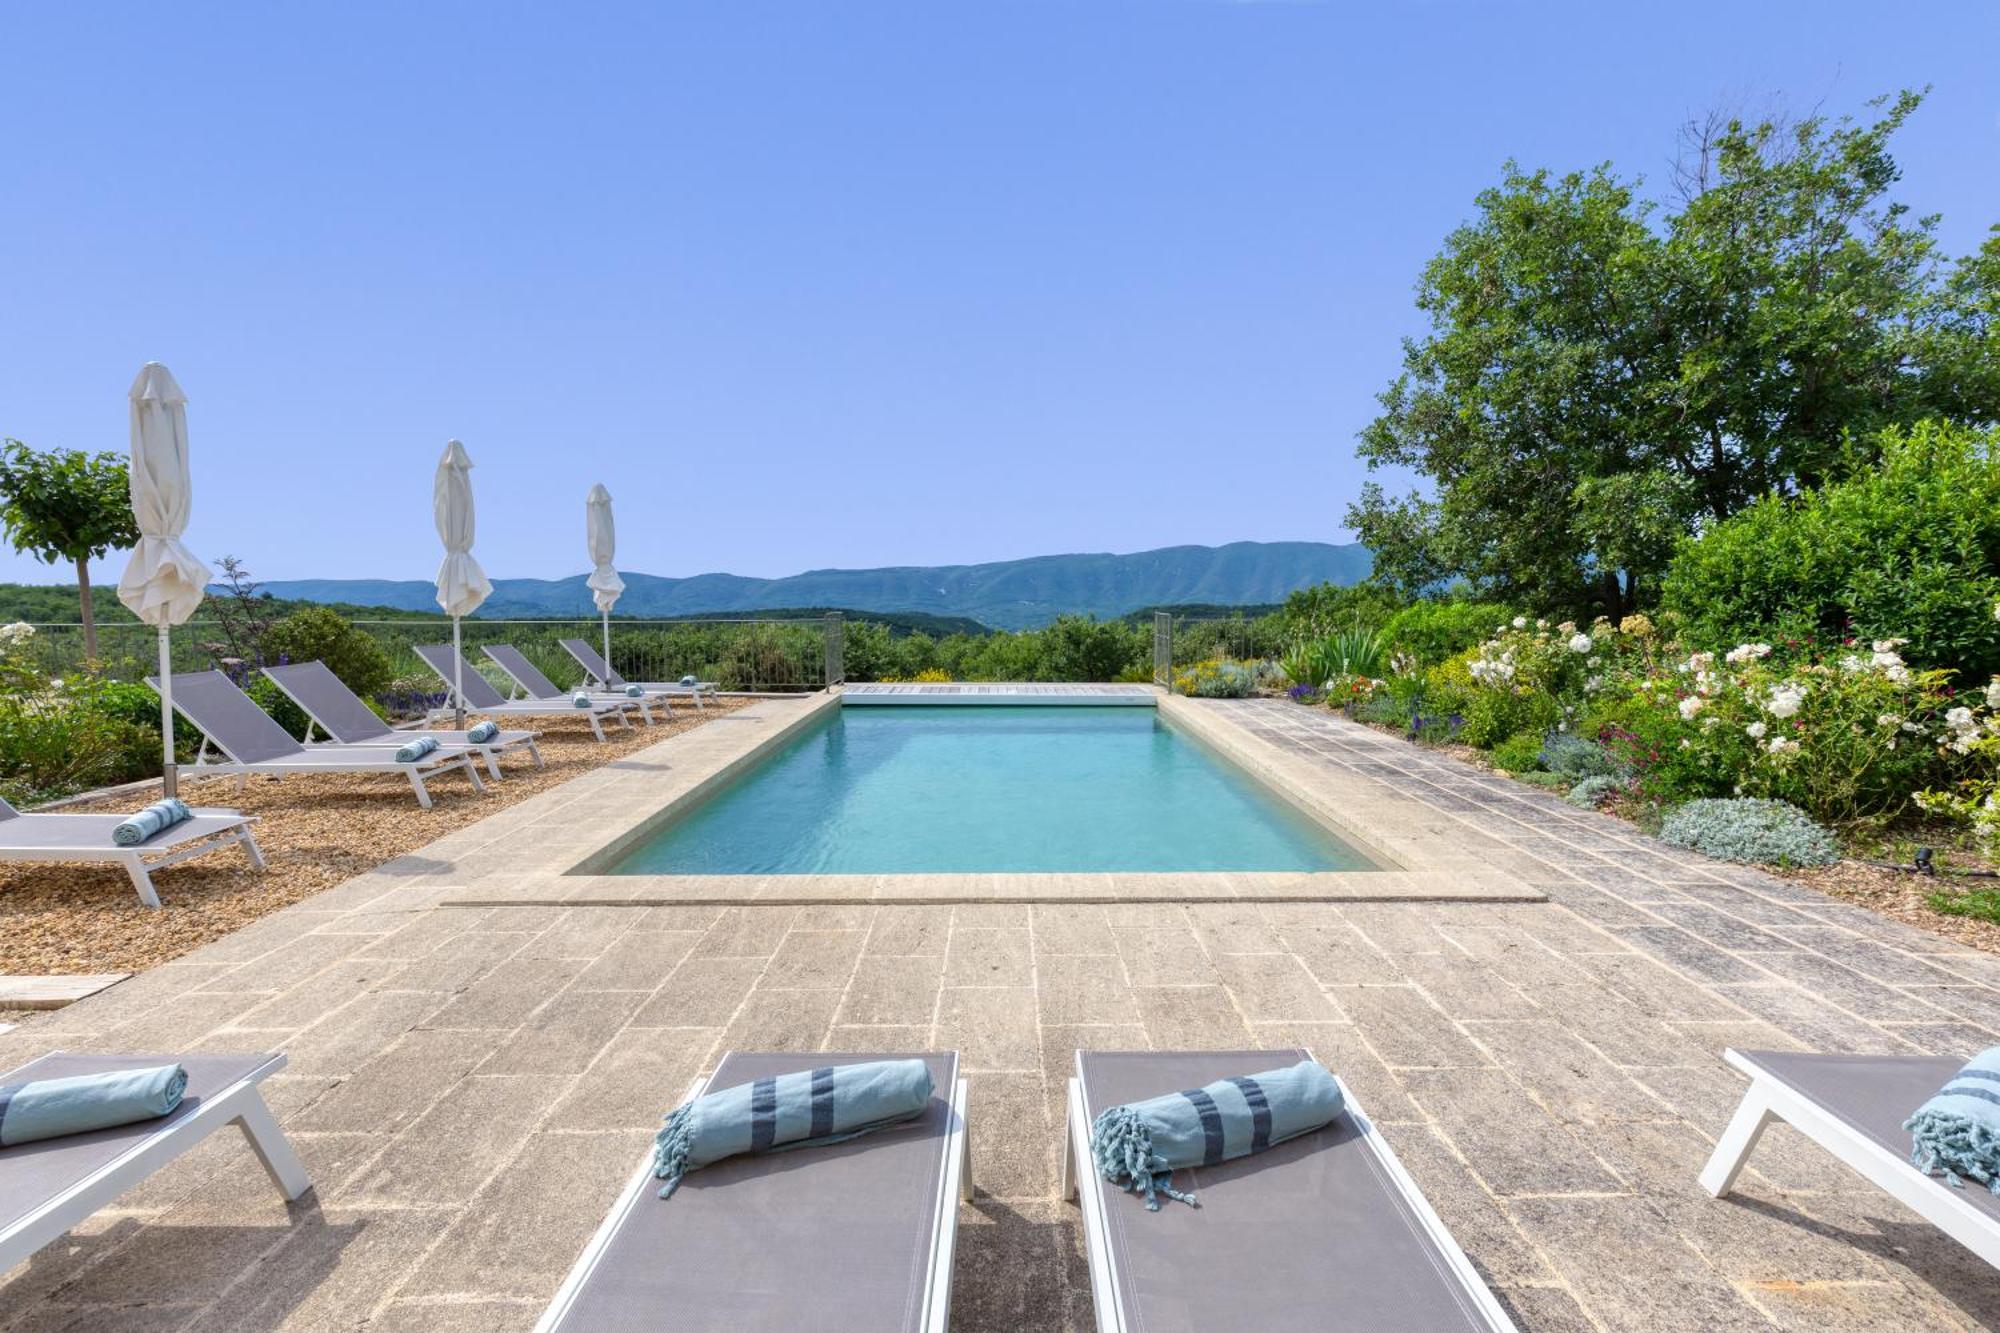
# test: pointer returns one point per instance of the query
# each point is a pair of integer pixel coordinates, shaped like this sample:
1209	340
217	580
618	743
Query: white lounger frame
488	751
516	692
416	772
1768	1099
133	859
955	1183
1078	1169
239	1104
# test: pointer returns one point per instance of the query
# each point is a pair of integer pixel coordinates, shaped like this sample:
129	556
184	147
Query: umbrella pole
608	668
457	675
169	777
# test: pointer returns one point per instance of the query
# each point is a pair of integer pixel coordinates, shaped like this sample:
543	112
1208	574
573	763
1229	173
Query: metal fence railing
782	656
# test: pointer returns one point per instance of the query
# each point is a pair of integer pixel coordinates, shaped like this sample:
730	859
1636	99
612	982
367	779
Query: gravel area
315	833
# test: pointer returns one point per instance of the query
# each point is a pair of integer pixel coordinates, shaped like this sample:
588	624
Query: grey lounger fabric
87	837
346	717
31	1174
1311	1233
832	1239
248	735
1873	1094
599	670
530	678
481	697
81	833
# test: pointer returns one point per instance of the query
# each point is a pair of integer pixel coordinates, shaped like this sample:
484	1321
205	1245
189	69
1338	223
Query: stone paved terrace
470	1085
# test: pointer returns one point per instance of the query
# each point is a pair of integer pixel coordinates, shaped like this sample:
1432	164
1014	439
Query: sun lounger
230	720
857	1236
481	697
1854	1106
49	1186
87	837
345	717
1326	1229
529	678
597	669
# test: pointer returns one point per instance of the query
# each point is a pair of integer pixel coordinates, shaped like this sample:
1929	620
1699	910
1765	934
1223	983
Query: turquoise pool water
968	789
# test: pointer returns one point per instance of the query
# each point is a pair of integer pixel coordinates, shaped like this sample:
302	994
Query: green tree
67	505
1603	375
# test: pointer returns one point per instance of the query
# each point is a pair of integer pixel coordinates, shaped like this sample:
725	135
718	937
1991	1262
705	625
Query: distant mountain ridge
1006	594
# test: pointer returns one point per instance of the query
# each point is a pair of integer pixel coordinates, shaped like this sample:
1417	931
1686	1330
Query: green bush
1519	754
1907	547
1491	716
54	746
1577	758
1751	830
1430	632
318	634
1593	792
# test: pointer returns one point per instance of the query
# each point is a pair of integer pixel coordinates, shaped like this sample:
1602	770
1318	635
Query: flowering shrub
1576	758
928	676
1846	739
60	736
1215	679
1973	730
1593	791
1749	829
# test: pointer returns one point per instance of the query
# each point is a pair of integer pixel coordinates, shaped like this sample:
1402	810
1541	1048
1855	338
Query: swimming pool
1002	789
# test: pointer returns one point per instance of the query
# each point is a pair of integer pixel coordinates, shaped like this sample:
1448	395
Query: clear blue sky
816	283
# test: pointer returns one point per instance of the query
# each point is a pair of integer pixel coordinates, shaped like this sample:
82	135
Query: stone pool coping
545	851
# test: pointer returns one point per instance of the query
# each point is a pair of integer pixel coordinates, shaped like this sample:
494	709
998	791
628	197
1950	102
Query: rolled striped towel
411	751
687	680
1956	1134
806	1109
581	699
1139	1144
482	732
143	824
635	691
52	1107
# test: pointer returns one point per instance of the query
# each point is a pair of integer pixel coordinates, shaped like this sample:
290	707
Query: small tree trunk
89	619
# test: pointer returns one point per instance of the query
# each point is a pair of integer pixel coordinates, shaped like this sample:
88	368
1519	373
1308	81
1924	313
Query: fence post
836	645
1163	648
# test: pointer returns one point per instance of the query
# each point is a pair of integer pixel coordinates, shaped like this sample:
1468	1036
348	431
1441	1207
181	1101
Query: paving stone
1513	1145
701	992
1405	1029
639	961
564	1035
908	931
814	960
504	997
525	1229
448	1152
636	1078
1629	1271
1065	929
1081	989
1340	956
1191	1018
746	932
981	956
1015	1146
782	1020
1268	986
990	1027
1563	1074
397	1085
892	990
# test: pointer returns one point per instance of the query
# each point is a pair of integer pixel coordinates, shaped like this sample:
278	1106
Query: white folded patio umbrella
461	584
602	538
163	582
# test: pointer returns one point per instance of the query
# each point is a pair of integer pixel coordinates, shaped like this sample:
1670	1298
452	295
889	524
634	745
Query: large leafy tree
1605	374
67	505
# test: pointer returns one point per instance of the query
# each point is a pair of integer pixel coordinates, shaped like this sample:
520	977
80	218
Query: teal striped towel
1956	1134
636	691
808	1109
687	680
1138	1145
411	751
482	732
581	699
52	1107
143	824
